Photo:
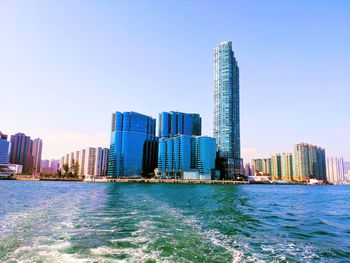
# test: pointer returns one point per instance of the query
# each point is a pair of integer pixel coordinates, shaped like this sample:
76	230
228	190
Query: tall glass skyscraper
179	123
226	108
134	147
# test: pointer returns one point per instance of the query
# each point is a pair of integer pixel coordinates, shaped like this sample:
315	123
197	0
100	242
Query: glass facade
226	105
4	149
179	123
134	147
205	153
183	152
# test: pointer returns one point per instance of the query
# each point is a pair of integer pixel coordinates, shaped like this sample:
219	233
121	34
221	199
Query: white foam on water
212	236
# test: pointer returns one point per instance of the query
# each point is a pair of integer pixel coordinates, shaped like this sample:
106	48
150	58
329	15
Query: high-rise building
286	166
248	171
262	166
98	161
55	165
309	162
347	170
45	164
21	152
226	109
204	152
134	146
66	160
179	123
104	165
82	162
276	173
36	153
182	153
4	149
90	159
62	162
335	170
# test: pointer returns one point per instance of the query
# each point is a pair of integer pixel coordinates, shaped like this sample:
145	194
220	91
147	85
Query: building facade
335	170
286	166
101	161
182	153
226	109
134	146
309	162
4	149
21	152
179	123
36	153
262	166
276	173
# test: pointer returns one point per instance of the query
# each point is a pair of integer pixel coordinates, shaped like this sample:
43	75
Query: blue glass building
181	153
204	152
4	149
179	123
226	108
134	147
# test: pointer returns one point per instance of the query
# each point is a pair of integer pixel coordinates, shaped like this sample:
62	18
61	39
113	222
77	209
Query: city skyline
288	82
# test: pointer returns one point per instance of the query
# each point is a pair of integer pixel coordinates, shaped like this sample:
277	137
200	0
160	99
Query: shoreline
151	181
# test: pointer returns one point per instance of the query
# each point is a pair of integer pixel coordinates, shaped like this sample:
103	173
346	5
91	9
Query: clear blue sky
65	66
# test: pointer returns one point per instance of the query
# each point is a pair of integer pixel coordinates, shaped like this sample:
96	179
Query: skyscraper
134	146
287	166
90	161
21	152
101	161
309	162
226	109
335	170
36	153
179	123
4	149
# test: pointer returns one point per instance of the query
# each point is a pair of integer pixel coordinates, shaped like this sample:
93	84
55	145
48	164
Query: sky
65	66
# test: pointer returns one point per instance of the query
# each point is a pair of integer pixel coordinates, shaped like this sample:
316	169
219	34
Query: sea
144	222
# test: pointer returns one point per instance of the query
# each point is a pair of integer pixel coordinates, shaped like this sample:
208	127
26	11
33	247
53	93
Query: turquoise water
86	222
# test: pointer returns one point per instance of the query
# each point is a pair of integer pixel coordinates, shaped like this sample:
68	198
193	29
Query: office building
309	162
4	149
36	153
21	152
183	153
226	110
134	146
179	123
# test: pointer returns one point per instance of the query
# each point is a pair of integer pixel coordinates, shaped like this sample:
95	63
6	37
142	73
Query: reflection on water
84	222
